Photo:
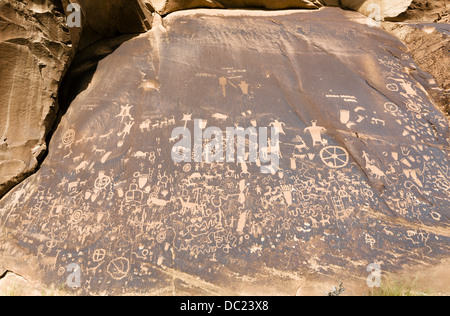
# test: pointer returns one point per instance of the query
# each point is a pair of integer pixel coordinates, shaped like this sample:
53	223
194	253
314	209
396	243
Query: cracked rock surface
33	55
363	173
425	30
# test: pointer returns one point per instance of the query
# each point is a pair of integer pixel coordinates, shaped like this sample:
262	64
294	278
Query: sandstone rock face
166	6
387	8
362	173
107	19
437	11
426	32
428	43
33	55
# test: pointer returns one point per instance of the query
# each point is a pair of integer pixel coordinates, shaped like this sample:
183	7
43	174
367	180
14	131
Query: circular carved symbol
391	107
334	157
119	268
413	107
61	271
392	87
161	237
99	255
187	168
68	137
77	216
102	182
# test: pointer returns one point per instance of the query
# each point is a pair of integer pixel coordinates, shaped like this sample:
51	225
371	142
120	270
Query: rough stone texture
388	8
429	44
33	55
364	170
437	11
107	19
425	30
164	7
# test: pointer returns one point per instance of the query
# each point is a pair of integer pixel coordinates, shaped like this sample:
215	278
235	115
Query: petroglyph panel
363	171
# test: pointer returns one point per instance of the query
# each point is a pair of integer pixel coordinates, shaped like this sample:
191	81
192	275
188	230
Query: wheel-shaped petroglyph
102	181
68	137
392	87
161	237
99	255
334	157
413	107
119	268
391	107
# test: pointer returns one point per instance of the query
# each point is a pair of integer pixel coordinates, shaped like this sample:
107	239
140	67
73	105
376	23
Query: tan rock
166	6
361	177
33	56
386	8
426	11
428	43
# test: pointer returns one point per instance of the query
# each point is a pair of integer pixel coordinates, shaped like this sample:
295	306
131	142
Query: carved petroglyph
122	208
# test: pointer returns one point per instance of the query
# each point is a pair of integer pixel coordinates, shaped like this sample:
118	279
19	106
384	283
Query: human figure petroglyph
127	130
325	221
279	126
316	134
125	112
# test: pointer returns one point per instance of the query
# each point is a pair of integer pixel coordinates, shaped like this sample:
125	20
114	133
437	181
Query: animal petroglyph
350	185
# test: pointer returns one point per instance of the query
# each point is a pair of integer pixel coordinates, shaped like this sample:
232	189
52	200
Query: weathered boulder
362	174
387	8
436	11
164	7
378	9
33	55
